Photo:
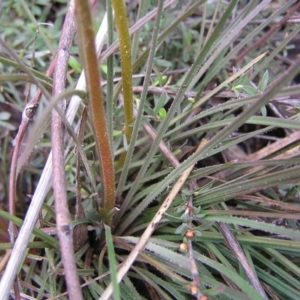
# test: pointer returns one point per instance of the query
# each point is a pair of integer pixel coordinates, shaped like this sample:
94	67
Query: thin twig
194	270
63	220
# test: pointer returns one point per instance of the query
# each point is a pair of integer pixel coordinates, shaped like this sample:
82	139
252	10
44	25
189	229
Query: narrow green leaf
293	234
112	263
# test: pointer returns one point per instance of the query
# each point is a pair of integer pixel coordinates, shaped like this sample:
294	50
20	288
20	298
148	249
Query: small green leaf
117	133
199	217
237	87
162	114
250	90
196	210
104	68
264	81
204	226
198	233
180	209
181	229
185	217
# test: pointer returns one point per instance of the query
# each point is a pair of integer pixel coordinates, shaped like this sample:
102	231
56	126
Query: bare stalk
96	102
126	64
63	220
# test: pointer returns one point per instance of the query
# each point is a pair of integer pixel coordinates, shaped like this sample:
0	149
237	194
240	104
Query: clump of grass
215	221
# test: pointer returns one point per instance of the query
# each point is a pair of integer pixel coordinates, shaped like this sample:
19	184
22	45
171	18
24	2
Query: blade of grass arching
235	103
38	75
237	122
25	78
139	116
112	263
275	269
20	248
293	234
31	245
173	256
234	141
96	102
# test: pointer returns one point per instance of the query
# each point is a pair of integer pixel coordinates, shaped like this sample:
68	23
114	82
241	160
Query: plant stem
126	65
63	220
96	102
